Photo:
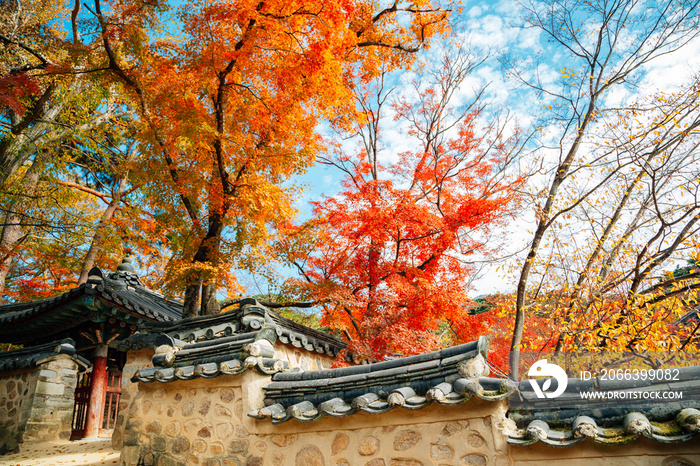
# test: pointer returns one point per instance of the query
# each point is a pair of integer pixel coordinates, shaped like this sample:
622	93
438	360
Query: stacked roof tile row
449	377
226	344
610	410
27	358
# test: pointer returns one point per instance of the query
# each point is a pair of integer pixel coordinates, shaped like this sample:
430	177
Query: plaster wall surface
306	360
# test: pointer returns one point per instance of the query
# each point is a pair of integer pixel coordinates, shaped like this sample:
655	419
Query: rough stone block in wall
49	388
48	374
37	404
205	423
135	360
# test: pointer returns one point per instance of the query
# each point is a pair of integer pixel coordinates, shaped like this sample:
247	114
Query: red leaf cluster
389	264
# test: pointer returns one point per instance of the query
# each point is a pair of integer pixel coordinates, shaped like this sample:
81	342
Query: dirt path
81	452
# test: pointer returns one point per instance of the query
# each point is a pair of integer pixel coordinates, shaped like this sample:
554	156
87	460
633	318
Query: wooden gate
82	397
113	392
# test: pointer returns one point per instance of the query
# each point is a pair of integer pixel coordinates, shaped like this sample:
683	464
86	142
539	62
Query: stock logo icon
542	369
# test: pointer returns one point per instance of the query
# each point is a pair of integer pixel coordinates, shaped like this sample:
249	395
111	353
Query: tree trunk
191	304
210	306
96	244
12	143
207	253
11	235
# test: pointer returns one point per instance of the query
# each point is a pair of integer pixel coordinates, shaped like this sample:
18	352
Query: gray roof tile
26	358
411	383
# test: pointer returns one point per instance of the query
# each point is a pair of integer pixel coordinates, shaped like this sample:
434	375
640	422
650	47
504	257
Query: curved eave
26	322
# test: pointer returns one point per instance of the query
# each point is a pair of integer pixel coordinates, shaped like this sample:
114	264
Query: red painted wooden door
113	392
110	411
82	397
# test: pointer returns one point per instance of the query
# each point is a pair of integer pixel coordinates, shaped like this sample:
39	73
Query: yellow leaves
568	72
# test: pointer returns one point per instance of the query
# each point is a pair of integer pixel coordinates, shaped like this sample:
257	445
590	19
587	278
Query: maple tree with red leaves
388	266
15	89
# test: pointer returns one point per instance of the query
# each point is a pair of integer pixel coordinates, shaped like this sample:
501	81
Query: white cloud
475	12
670	71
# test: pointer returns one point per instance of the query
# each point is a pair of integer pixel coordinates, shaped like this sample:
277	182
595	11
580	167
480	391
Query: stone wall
205	422
37	404
16	388
297	357
135	360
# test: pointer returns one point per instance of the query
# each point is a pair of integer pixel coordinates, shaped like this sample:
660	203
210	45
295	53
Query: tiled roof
232	355
225	344
449	376
119	294
249	317
613	412
26	358
233	342
690	317
682	427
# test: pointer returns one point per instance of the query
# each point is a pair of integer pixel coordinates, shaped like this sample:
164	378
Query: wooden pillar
98	384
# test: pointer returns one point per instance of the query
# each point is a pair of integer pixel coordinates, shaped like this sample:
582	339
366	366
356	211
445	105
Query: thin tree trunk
543	225
11	235
98	237
583	276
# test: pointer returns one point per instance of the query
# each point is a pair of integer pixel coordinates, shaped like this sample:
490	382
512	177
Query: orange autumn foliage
231	103
393	251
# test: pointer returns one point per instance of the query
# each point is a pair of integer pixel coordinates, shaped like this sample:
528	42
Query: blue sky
496	28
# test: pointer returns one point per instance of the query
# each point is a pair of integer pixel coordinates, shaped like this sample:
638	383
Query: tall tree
604	45
68	206
42	81
230	107
388	267
48	96
643	217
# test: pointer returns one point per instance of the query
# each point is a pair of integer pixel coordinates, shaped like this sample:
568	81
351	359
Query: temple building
66	380
83	325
